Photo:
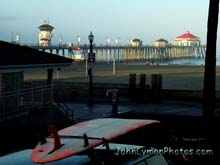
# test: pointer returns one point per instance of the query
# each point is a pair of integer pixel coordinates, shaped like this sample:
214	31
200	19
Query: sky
123	20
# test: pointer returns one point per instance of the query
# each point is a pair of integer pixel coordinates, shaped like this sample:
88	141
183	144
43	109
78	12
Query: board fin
53	130
86	140
105	141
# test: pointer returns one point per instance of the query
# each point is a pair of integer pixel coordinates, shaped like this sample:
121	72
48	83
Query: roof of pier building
46	27
14	56
187	36
161	40
161	43
136	42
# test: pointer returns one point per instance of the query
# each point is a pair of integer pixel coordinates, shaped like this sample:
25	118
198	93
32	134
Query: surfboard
83	136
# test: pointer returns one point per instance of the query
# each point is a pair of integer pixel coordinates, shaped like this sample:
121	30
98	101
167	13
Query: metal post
49	83
12	37
49	76
58	73
18	38
90	101
60	40
113	72
132	86
115	101
113	69
86	67
78	41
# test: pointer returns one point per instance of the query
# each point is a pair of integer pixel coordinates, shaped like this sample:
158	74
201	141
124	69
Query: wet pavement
84	112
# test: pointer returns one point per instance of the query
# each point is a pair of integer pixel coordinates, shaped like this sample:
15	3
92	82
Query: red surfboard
83	136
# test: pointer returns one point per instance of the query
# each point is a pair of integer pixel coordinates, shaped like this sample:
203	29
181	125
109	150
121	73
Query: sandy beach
174	76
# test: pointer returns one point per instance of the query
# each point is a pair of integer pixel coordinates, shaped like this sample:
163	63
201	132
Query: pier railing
19	102
86	47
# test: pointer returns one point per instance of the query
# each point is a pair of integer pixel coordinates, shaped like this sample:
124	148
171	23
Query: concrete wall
69	91
72	91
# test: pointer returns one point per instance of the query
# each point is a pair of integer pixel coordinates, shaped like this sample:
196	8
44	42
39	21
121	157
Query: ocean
193	61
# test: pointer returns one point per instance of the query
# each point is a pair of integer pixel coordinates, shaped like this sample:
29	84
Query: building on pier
161	43
136	42
187	39
45	35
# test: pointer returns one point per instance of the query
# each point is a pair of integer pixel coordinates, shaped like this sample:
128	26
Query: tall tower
45	35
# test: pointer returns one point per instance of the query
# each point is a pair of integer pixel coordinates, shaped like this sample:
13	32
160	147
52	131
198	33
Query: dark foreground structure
19	102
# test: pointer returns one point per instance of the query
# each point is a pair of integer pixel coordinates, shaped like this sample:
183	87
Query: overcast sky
147	20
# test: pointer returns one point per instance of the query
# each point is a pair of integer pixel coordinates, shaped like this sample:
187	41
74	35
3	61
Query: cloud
8	18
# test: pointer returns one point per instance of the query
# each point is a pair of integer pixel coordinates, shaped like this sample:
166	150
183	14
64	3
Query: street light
113	67
78	40
60	39
18	38
91	59
91	38
117	42
108	40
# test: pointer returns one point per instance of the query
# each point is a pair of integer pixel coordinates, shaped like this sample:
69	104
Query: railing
101	46
69	112
20	101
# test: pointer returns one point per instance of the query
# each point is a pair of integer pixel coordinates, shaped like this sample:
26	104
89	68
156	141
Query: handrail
66	110
20	91
16	102
14	113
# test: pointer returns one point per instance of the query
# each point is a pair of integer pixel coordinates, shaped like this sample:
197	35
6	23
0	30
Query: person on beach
152	62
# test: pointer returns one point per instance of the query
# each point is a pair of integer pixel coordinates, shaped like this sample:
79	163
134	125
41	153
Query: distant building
45	35
187	39
161	43
136	42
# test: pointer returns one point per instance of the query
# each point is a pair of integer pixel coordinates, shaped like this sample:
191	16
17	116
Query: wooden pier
129	53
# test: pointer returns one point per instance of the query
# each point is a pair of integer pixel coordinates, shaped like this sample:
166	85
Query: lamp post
91	59
18	38
60	40
108	50
113	67
108	40
78	40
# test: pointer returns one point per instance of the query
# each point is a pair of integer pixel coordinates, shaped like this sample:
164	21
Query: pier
129	53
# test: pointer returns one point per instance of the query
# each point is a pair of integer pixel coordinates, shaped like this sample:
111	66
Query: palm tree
210	63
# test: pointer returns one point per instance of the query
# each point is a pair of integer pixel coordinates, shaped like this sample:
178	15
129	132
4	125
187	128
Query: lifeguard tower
45	35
